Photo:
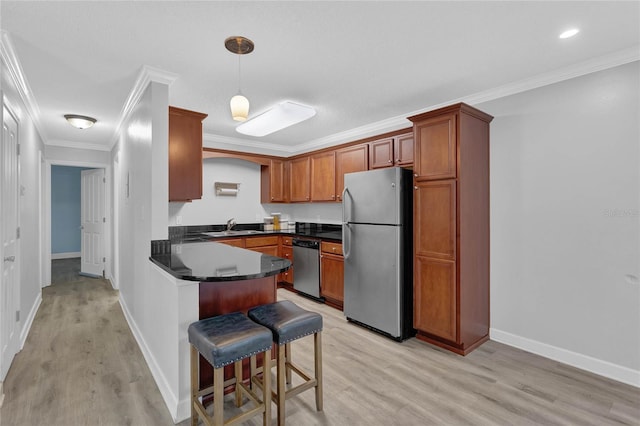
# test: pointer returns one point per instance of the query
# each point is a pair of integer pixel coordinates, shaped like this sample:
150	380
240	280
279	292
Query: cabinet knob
397	160
389	161
273	198
415	187
415	174
333	197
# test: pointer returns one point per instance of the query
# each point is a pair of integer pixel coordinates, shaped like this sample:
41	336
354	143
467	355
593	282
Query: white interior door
92	219
9	234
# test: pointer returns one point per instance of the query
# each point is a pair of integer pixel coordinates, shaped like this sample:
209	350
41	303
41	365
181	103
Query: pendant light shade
239	107
239	104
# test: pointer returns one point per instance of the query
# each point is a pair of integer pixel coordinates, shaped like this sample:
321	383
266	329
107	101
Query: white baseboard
170	399
68	255
28	321
583	362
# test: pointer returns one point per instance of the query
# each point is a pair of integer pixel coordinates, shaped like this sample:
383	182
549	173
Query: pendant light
239	104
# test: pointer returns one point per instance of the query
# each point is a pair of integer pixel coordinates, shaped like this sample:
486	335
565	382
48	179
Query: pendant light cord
239	76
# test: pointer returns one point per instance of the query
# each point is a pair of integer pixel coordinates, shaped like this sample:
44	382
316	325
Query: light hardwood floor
81	366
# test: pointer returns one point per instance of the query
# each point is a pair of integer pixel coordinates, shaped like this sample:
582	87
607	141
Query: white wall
565	227
245	207
212	209
31	148
62	155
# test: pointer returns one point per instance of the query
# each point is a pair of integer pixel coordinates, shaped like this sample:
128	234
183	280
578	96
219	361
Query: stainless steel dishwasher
306	260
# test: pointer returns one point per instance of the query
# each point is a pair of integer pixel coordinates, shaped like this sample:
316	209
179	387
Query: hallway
80	364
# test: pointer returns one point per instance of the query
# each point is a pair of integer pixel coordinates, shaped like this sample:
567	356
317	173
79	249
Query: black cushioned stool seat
223	340
288	322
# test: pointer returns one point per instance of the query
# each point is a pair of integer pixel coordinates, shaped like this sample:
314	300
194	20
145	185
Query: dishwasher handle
310	244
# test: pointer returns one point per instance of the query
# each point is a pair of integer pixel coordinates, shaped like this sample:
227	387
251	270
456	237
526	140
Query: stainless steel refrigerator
377	213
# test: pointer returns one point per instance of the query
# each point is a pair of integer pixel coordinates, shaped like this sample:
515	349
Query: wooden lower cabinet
435	297
285	279
332	274
267	245
235	242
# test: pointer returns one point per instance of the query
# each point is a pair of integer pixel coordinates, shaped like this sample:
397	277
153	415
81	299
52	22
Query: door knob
10	259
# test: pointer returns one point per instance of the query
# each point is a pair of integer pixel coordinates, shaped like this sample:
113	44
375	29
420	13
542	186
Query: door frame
8	106
47	215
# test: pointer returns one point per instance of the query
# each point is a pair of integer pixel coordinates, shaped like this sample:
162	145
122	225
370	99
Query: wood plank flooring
81	366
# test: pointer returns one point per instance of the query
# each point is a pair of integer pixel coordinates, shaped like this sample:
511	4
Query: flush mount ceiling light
239	104
80	121
282	115
569	33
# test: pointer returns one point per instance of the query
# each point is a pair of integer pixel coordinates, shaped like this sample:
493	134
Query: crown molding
147	75
600	63
211	140
16	74
78	145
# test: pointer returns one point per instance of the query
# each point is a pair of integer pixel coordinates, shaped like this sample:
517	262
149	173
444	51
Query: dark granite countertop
322	231
210	261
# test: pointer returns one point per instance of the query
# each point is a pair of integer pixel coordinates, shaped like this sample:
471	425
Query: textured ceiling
357	63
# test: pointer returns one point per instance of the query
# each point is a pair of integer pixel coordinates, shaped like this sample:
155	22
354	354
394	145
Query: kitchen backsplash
245	207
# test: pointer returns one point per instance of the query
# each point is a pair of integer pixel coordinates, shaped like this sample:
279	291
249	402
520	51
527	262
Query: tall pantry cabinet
451	227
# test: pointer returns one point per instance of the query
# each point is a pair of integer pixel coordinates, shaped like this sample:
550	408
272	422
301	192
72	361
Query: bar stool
223	340
289	322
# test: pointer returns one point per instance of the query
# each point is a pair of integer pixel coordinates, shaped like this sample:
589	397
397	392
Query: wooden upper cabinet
348	160
299	179
403	149
185	154
434	206
390	152
381	153
273	179
435	156
323	176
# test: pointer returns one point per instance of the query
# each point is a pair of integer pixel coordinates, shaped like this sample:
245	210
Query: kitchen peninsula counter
215	262
229	279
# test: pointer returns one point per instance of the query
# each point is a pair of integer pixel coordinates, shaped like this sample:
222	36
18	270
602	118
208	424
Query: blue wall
65	209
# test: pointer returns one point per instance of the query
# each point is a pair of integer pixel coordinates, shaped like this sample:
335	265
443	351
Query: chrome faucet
231	223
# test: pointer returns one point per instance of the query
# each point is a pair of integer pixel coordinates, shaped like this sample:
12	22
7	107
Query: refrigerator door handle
344	204
345	240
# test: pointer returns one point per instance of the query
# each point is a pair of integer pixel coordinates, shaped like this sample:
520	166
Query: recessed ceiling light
569	33
80	121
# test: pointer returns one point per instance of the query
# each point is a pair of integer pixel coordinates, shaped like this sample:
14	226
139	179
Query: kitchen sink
232	233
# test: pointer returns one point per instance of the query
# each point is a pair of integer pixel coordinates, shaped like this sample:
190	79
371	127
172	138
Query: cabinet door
323	177
381	153
185	154
403	149
236	242
349	160
287	253
435	156
299	179
276	181
332	277
270	250
434	218
435	297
